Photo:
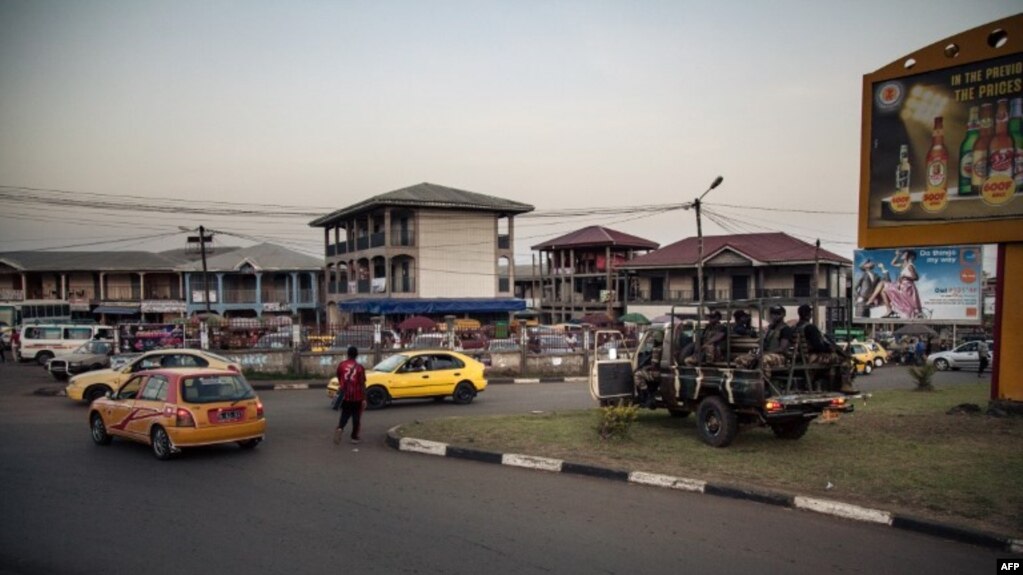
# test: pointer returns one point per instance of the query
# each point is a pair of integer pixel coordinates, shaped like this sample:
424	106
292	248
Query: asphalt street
300	504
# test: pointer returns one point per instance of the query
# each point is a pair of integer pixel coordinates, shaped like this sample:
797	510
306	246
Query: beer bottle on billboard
980	148
1016	133
900	202
936	196
966	154
999	185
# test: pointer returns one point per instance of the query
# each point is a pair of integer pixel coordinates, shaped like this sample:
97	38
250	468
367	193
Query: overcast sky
556	104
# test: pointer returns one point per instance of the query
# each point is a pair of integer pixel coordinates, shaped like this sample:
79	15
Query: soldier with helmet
822	352
775	345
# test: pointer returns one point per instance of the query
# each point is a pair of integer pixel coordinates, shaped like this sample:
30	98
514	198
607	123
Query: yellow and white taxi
169	409
417	374
91	385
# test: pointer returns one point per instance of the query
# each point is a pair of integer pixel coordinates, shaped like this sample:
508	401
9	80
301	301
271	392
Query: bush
616	420
922	375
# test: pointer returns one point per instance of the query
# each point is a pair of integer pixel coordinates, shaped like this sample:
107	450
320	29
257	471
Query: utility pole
816	274
205	272
699	262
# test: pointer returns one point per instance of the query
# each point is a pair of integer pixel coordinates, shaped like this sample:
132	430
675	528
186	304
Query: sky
286	109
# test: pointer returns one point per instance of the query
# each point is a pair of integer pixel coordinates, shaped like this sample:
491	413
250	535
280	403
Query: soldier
775	345
742	324
820	351
647	376
713	334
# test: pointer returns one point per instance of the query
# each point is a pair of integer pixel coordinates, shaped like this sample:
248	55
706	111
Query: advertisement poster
947	145
918	285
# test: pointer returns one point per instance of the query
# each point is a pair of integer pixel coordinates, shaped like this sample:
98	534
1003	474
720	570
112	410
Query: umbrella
597	319
634	317
915	329
416	322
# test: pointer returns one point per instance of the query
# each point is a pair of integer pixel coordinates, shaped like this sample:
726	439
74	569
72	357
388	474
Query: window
801	285
148	362
156	389
130	389
78	333
49	333
446	362
183	360
214	388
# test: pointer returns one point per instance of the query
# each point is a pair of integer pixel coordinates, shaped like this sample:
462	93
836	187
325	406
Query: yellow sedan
418	374
169	409
91	385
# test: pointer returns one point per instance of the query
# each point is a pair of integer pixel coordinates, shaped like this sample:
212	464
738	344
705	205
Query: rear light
183	418
773	406
233	368
838	402
259	410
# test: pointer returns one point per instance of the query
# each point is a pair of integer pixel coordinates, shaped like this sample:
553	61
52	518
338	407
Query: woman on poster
901	299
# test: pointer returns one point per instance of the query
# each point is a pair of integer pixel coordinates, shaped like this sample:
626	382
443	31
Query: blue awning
116	310
427	306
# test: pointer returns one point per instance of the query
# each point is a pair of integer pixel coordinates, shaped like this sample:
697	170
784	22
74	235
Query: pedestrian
351	378
921	349
983	353
3	353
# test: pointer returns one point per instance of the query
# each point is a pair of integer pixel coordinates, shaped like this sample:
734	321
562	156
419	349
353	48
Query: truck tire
716	422
791	430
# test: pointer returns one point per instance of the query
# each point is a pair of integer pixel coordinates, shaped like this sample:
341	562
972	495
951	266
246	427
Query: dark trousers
982	366
351	410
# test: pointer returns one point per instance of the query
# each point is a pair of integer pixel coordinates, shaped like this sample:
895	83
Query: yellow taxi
169	409
418	374
91	385
862	356
880	353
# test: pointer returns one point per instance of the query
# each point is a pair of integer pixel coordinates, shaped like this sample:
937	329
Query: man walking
351	379
983	353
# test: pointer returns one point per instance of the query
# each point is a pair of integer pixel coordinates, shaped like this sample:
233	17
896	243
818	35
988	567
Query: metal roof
45	261
762	249
428	195
262	257
597	236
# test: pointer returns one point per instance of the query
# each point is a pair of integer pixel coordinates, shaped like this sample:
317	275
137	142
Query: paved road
299	504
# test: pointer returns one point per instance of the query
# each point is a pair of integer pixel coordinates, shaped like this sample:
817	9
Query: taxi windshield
94	347
214	388
391	363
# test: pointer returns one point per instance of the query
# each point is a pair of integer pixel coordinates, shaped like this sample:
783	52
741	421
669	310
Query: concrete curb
824	506
506	380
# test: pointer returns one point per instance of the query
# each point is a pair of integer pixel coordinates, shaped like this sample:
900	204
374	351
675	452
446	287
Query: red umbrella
416	322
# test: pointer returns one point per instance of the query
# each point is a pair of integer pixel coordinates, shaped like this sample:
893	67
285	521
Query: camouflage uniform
647	376
773	353
710	352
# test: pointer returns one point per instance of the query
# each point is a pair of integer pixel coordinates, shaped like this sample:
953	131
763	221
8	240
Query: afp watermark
1010	565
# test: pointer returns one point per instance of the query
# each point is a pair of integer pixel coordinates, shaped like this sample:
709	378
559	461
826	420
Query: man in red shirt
351	379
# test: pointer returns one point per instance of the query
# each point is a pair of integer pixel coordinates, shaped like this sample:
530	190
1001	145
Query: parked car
418	374
91	355
88	386
429	341
551	344
503	345
881	356
43	342
965	356
862	355
274	341
170	409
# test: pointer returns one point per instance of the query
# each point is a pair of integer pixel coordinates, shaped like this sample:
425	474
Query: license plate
229	416
830	415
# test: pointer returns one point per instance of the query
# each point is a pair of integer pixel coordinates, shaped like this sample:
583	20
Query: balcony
403	238
363	286
8	294
377	240
362	243
503	242
503	285
240	296
403	285
331	250
123	294
280	295
162	293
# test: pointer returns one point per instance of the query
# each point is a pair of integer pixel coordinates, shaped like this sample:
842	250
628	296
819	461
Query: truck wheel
791	430
717	422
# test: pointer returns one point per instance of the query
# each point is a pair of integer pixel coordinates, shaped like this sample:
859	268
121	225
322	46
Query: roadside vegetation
915	453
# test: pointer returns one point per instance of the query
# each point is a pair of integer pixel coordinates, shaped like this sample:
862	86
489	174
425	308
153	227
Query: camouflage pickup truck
722	395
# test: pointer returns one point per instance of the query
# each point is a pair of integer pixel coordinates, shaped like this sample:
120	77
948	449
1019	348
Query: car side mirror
109	395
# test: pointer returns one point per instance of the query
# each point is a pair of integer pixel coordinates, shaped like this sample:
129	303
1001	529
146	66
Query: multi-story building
579	272
742	266
425	249
158	287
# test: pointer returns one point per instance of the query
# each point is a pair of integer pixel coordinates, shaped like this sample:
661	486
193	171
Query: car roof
186	372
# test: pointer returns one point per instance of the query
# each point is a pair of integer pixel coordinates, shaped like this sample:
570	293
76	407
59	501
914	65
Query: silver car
91	355
966	356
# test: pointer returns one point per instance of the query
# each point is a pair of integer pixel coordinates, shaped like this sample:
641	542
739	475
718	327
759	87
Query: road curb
508	380
823	506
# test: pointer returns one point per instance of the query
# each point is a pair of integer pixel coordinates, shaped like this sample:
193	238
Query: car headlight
74	364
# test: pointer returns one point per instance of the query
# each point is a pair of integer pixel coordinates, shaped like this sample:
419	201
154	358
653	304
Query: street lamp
699	258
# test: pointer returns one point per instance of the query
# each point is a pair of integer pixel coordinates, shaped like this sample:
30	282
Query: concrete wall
324	365
457	254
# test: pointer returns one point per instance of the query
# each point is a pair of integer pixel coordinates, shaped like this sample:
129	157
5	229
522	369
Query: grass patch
900	451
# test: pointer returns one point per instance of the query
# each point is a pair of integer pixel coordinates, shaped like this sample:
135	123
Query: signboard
918	285
942	146
163	306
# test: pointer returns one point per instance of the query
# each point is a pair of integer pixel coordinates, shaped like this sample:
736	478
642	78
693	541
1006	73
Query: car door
445	371
147	406
116	411
966	356
411	379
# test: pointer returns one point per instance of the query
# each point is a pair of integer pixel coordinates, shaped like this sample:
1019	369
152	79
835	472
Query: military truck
722	395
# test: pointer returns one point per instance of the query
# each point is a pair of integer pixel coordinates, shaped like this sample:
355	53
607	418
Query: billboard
918	285
942	147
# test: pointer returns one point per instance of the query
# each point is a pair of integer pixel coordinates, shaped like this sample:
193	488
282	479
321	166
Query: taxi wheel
94	393
376	397
161	444
99	431
464	393
867	368
878	362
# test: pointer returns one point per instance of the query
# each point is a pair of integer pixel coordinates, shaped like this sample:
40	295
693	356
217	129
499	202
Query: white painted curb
658	480
1016	545
531	462
422	446
282	386
577	380
846	510
528	380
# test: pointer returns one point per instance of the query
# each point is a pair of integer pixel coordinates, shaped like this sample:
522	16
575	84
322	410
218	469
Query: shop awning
115	310
433	306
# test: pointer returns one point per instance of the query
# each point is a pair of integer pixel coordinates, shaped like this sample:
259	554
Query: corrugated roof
428	195
597	236
262	257
44	261
766	248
